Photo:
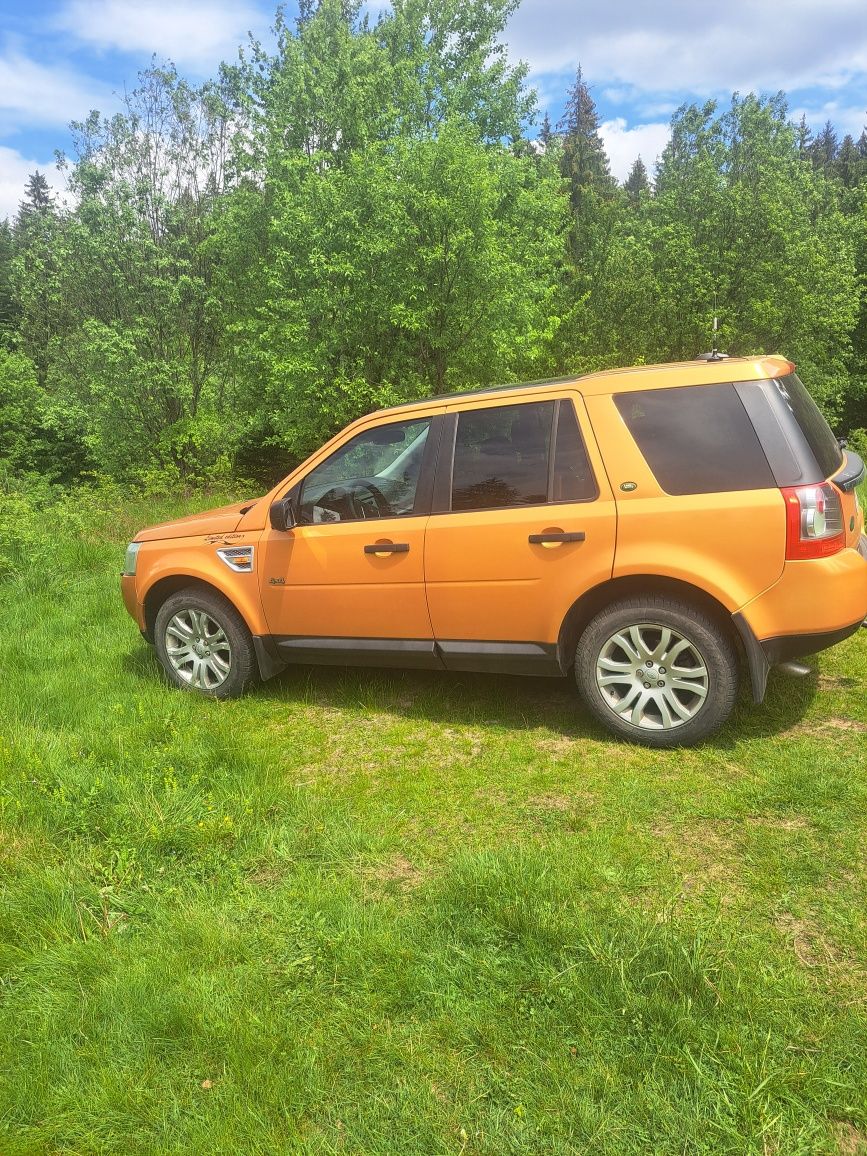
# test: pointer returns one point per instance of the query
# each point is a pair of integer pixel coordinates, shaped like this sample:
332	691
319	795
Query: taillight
814	521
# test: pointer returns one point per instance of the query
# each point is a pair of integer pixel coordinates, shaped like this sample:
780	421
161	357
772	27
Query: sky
61	58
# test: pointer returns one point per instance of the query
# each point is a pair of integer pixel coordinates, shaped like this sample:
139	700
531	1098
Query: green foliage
356	216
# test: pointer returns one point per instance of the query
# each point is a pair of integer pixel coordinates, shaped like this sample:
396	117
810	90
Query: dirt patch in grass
811	948
397	873
850	1141
822	726
778	822
555	802
824	959
703	855
834	682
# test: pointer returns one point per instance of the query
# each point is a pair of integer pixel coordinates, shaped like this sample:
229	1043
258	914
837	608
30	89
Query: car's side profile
658	531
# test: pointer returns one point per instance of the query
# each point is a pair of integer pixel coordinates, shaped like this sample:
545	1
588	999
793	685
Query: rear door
523	523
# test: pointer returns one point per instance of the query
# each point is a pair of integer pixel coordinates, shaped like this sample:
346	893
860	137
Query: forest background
372	212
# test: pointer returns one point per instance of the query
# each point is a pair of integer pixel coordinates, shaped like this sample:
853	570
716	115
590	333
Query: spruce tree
585	162
37	197
849	164
637	184
823	150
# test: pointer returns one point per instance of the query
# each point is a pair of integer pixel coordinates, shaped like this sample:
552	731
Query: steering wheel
379	500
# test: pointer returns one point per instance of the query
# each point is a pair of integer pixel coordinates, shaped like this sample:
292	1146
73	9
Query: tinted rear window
815	429
696	439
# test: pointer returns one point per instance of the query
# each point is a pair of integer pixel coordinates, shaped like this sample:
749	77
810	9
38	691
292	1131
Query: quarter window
502	457
697	439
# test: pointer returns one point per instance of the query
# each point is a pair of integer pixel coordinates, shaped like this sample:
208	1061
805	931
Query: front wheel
657	671
203	644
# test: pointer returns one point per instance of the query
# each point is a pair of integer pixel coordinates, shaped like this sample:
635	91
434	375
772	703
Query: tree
38	197
849	165
137	366
585	162
823	149
637	183
8	304
744	222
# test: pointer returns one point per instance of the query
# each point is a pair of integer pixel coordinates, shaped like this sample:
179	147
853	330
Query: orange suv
656	530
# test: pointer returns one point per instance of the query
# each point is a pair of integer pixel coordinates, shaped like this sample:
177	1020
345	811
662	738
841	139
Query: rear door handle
546	539
387	548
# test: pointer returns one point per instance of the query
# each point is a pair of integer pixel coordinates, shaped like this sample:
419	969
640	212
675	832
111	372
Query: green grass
361	912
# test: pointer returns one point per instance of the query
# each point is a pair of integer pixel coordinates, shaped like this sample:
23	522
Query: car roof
704	371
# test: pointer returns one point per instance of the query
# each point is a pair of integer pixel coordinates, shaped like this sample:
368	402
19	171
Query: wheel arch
164	588
586	607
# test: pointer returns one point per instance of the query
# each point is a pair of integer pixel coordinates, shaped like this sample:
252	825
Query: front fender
165	564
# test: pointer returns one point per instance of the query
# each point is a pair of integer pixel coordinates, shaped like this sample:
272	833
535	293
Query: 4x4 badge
276	581
628	487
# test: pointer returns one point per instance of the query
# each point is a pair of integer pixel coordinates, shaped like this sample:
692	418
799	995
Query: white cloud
845	119
196	34
14	171
35	94
624	144
680	45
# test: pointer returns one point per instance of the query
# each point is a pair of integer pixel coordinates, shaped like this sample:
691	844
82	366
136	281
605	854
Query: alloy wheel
652	676
198	649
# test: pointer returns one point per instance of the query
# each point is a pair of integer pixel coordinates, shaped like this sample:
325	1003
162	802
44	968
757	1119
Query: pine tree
849	164
637	184
546	133
585	162
823	150
803	137
37	197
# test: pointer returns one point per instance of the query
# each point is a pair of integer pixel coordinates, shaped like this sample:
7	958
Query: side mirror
282	515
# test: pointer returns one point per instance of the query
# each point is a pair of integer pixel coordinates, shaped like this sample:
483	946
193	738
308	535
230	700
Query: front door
347	583
526	524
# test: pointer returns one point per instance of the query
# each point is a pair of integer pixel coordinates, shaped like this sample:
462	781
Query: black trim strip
401	652
442	487
528	658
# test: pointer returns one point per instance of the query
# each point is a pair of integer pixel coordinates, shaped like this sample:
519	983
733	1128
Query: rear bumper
825	597
789	646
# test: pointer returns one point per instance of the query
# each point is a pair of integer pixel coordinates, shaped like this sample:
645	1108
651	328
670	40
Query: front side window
503	458
375	475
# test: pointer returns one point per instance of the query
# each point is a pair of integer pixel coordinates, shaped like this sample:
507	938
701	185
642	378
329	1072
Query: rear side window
824	446
697	439
502	457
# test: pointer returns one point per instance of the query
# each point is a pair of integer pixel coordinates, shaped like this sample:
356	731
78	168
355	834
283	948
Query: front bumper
130	600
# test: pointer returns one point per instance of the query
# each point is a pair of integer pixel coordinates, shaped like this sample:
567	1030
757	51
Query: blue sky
60	58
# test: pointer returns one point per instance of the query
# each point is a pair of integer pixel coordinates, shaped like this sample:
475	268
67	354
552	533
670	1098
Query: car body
700	511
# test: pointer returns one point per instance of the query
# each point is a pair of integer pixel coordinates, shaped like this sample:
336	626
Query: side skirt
524	658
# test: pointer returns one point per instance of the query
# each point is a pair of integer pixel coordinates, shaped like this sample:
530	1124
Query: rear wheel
203	644
657	671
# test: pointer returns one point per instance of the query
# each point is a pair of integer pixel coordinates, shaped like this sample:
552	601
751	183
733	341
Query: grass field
365	912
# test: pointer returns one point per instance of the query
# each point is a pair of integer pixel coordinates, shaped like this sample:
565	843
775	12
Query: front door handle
387	548
554	538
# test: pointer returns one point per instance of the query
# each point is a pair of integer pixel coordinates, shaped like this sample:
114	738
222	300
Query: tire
623	676
204	645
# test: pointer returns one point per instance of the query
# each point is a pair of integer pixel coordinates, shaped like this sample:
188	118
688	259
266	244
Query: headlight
131	559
